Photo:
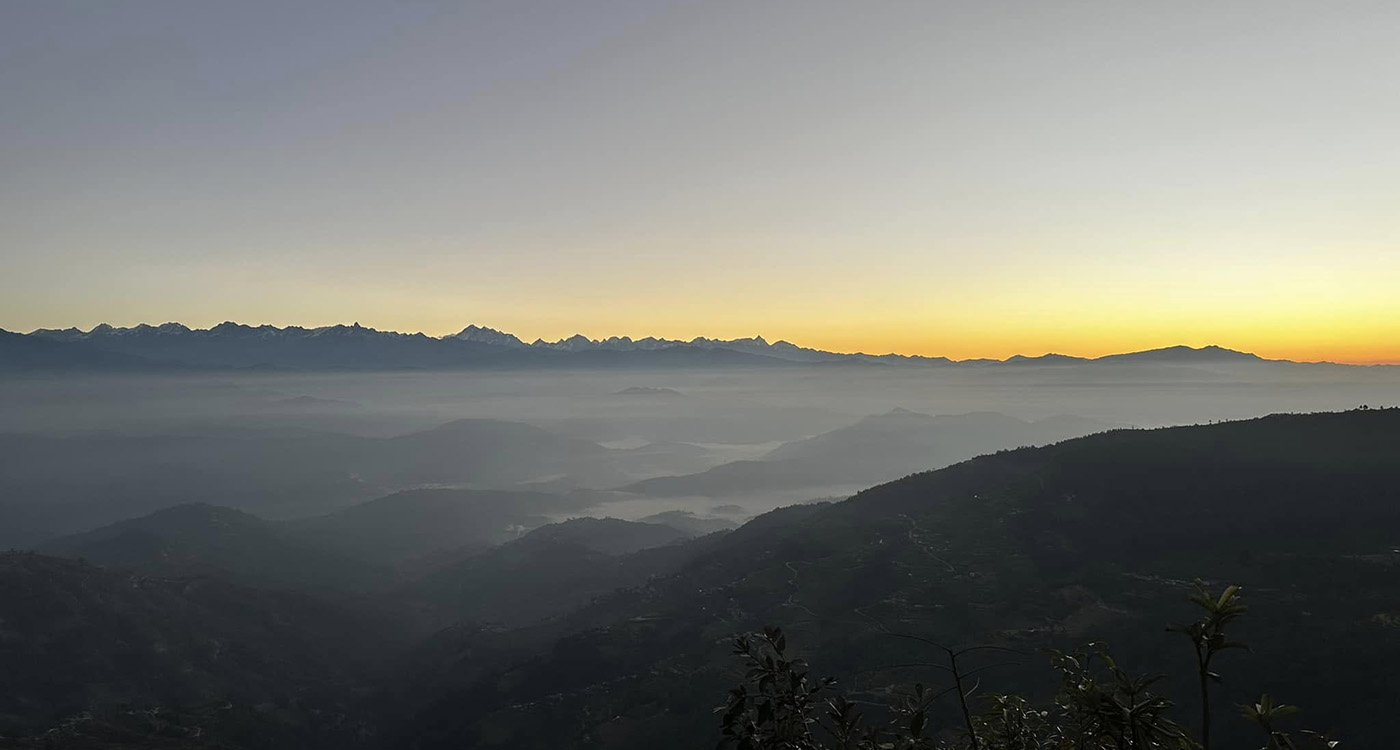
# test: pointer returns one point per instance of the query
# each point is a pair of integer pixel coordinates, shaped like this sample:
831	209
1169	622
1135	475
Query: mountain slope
240	346
551	571
209	664
484	453
338	347
20	353
1093	538
875	449
1184	355
361	549
206	540
417	524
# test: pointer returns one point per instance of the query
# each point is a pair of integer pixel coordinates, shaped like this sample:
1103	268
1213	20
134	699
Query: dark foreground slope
1095	538
99	658
110	657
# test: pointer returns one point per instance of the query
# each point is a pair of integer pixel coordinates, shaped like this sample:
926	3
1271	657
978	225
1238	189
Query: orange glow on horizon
1376	344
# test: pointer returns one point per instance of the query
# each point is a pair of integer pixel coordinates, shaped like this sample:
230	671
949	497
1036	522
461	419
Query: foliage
1208	639
1099	705
1266	713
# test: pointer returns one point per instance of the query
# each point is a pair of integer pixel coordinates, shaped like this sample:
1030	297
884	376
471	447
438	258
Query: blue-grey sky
961	178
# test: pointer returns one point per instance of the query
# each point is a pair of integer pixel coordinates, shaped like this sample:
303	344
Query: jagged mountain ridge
358	347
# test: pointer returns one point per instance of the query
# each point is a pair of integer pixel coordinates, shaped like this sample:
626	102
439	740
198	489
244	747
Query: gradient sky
956	178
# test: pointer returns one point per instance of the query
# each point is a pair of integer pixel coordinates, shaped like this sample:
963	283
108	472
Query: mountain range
232	345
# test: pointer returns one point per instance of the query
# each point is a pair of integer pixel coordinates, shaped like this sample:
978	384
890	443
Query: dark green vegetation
1093	539
93	657
1099	705
209	540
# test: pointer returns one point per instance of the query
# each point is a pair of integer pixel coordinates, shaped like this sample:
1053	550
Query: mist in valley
369	551
717	446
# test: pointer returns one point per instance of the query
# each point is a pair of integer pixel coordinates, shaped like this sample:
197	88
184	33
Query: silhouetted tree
1099	704
1208	639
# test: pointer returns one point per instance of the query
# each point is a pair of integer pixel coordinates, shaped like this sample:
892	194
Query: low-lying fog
717	445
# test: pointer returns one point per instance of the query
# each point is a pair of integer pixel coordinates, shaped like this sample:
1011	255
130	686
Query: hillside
1091	538
87	654
197	540
415	524
550	571
366	547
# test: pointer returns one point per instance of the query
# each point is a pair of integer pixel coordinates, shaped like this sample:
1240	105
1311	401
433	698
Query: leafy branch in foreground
773	708
1099	704
1208	638
1265	713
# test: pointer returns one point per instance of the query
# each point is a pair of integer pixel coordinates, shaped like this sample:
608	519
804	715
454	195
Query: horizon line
677	341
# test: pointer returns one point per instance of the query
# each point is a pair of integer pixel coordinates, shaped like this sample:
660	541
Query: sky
967	179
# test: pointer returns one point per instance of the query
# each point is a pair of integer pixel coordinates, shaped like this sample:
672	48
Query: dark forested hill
364	548
207	540
408	526
99	658
1095	538
550	571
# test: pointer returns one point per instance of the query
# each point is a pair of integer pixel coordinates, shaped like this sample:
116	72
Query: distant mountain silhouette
552	570
1046	359
606	536
638	390
877	448
1184	354
488	336
287	474
689	522
198	540
421	523
35	352
361	548
231	345
240	346
486	453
